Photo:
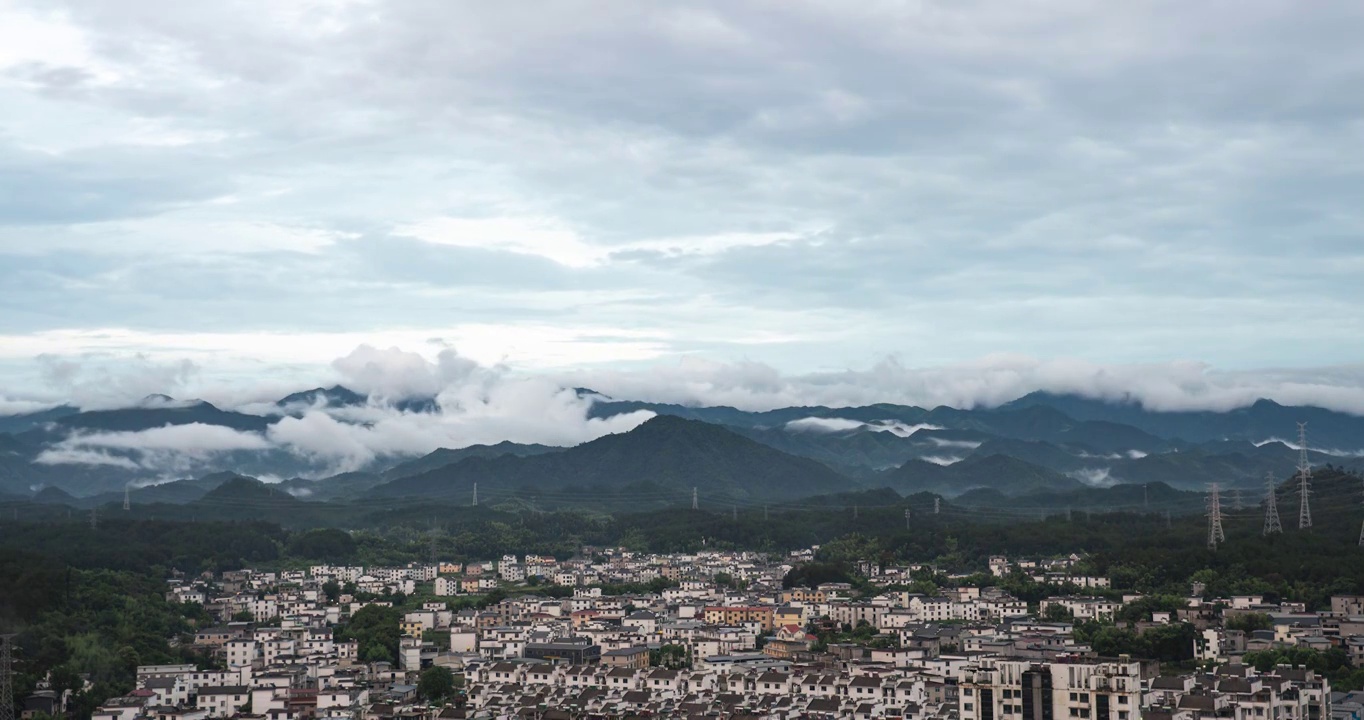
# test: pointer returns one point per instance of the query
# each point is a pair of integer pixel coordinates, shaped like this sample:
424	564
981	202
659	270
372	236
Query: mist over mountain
336	444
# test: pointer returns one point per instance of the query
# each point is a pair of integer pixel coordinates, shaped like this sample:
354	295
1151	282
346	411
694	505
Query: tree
332	591
670	657
436	684
1057	613
376	629
1249	622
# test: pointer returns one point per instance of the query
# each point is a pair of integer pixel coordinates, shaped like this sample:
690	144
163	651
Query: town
714	634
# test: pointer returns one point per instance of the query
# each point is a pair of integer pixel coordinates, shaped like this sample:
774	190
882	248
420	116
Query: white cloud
987	382
837	424
942	459
72	456
963	444
11	406
478	408
524	236
555	241
1293	444
172	448
192	438
824	425
1094	477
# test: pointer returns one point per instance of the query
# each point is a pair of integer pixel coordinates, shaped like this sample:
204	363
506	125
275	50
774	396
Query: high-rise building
1061	690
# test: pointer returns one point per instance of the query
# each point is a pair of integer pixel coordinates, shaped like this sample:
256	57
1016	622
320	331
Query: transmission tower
1236	499
937	505
854	512
1272	524
6	686
764	513
475	494
1215	535
693	497
1304	480
94	518
127	497
908	514
735	509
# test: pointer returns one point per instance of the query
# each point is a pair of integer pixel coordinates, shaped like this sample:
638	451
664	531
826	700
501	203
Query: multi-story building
740	614
994	689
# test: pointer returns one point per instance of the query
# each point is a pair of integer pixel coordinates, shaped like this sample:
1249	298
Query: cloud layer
784	189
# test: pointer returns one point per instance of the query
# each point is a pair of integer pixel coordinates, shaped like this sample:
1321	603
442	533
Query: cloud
942	459
824	425
172	448
96	381
73	456
486	408
986	382
837	424
11	406
963	444
395	374
1094	477
1294	445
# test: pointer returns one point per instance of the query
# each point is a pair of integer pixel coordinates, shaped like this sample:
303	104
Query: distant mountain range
1040	449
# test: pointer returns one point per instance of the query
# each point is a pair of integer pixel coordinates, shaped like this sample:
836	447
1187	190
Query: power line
6	684
1215	534
1304	480
1272	524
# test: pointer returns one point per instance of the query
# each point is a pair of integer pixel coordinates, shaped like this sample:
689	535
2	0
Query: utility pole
1304	480
6	684
1272	524
693	497
1215	534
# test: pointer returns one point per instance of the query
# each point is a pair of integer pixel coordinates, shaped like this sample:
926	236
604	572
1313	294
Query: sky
749	202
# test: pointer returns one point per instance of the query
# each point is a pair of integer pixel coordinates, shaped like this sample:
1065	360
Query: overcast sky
732	194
